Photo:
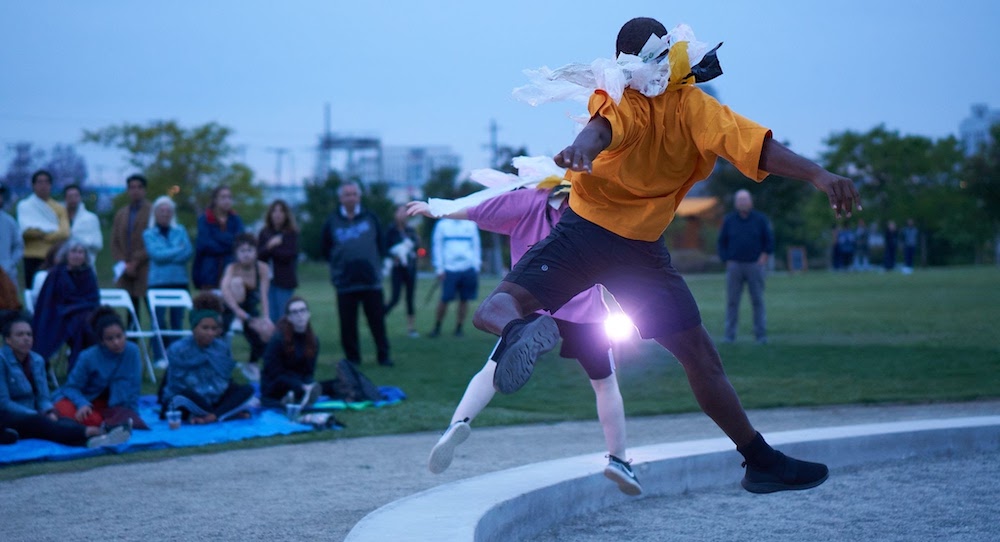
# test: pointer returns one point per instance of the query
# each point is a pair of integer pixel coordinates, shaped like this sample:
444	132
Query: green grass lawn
834	339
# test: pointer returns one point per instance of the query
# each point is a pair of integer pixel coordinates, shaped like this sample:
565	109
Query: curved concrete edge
520	502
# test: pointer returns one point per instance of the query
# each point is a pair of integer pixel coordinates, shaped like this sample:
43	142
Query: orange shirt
659	148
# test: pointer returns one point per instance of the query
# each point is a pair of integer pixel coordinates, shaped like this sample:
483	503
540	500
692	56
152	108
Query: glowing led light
619	327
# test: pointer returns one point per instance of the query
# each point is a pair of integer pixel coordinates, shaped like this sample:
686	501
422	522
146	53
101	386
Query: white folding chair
167	298
120	299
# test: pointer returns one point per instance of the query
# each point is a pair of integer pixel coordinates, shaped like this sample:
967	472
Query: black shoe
386	363
521	343
458	333
8	436
785	474
434	334
354	361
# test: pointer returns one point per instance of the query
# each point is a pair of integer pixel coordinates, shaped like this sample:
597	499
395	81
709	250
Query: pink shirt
526	216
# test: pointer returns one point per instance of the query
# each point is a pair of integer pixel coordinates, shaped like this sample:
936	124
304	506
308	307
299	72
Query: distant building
406	169
974	131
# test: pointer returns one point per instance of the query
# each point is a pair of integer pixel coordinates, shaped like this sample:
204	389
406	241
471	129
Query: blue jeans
277	298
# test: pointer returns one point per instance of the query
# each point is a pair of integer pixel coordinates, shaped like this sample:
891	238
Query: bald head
743	202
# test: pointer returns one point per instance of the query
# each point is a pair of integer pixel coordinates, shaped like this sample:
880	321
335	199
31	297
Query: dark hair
215	194
244	239
73	186
288	335
207	301
10	319
136	177
635	33
39	173
290	225
102	318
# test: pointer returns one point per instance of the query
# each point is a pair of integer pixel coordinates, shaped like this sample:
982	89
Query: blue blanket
264	423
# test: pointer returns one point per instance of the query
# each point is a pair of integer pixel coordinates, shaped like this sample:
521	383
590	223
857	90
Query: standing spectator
43	222
68	297
199	380
169	249
103	387
891	241
862	234
845	247
278	246
128	249
403	242
354	246
245	284
25	403
911	236
83	224
217	229
457	259
745	243
11	242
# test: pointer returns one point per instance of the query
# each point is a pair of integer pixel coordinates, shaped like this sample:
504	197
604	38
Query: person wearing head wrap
199	376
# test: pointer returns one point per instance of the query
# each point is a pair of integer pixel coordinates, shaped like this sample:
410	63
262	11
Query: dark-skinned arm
594	138
778	159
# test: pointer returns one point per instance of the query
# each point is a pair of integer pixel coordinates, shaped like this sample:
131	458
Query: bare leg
463	308
506	303
611	412
709	383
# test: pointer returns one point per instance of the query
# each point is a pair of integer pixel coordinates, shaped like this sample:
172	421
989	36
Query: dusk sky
437	72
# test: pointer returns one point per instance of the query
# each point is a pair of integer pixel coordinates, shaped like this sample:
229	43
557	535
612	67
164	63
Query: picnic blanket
263	423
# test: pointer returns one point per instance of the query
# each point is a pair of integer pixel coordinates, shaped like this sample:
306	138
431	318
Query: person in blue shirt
745	243
25	404
217	231
169	249
199	379
104	385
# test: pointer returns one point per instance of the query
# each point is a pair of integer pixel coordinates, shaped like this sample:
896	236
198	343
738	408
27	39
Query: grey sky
436	72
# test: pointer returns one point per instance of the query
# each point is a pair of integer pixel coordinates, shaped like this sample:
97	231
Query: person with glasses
290	359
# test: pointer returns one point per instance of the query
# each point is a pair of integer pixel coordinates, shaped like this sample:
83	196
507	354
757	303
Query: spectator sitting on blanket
199	379
290	359
104	385
25	404
245	285
67	298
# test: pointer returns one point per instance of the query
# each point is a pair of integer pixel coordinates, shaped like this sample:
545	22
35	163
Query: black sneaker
620	472
785	474
520	345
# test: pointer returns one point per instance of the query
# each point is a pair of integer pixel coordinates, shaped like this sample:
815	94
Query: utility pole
279	153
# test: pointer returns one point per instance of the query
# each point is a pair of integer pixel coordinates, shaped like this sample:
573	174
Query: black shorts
579	254
588	344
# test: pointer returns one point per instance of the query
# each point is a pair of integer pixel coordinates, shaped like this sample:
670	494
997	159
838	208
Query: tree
25	162
184	163
67	167
981	179
906	176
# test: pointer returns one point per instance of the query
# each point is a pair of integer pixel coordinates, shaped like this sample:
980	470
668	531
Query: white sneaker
118	435
311	395
251	371
444	450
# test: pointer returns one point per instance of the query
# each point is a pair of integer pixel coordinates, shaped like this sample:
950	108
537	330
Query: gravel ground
318	491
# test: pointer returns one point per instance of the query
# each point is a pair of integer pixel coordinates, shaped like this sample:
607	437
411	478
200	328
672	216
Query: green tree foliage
67	167
185	163
322	200
18	176
907	176
981	179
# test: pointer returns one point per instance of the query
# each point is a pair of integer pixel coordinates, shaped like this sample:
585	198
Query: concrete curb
520	502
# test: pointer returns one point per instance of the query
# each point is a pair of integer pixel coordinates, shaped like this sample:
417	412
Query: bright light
619	327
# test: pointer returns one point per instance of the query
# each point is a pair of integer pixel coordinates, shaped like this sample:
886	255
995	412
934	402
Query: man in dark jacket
354	246
745	242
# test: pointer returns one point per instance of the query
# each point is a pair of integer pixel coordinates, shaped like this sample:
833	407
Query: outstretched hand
842	193
574	158
415	208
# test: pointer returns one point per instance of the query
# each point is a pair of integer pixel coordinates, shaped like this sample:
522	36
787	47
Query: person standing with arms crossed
745	243
631	166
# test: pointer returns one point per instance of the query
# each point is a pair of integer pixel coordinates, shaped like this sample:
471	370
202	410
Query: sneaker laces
616	459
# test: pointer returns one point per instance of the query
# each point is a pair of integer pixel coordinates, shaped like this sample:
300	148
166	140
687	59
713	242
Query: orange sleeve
617	115
720	131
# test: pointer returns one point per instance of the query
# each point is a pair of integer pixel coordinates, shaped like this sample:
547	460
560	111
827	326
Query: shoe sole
444	450
517	362
626	485
773	487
